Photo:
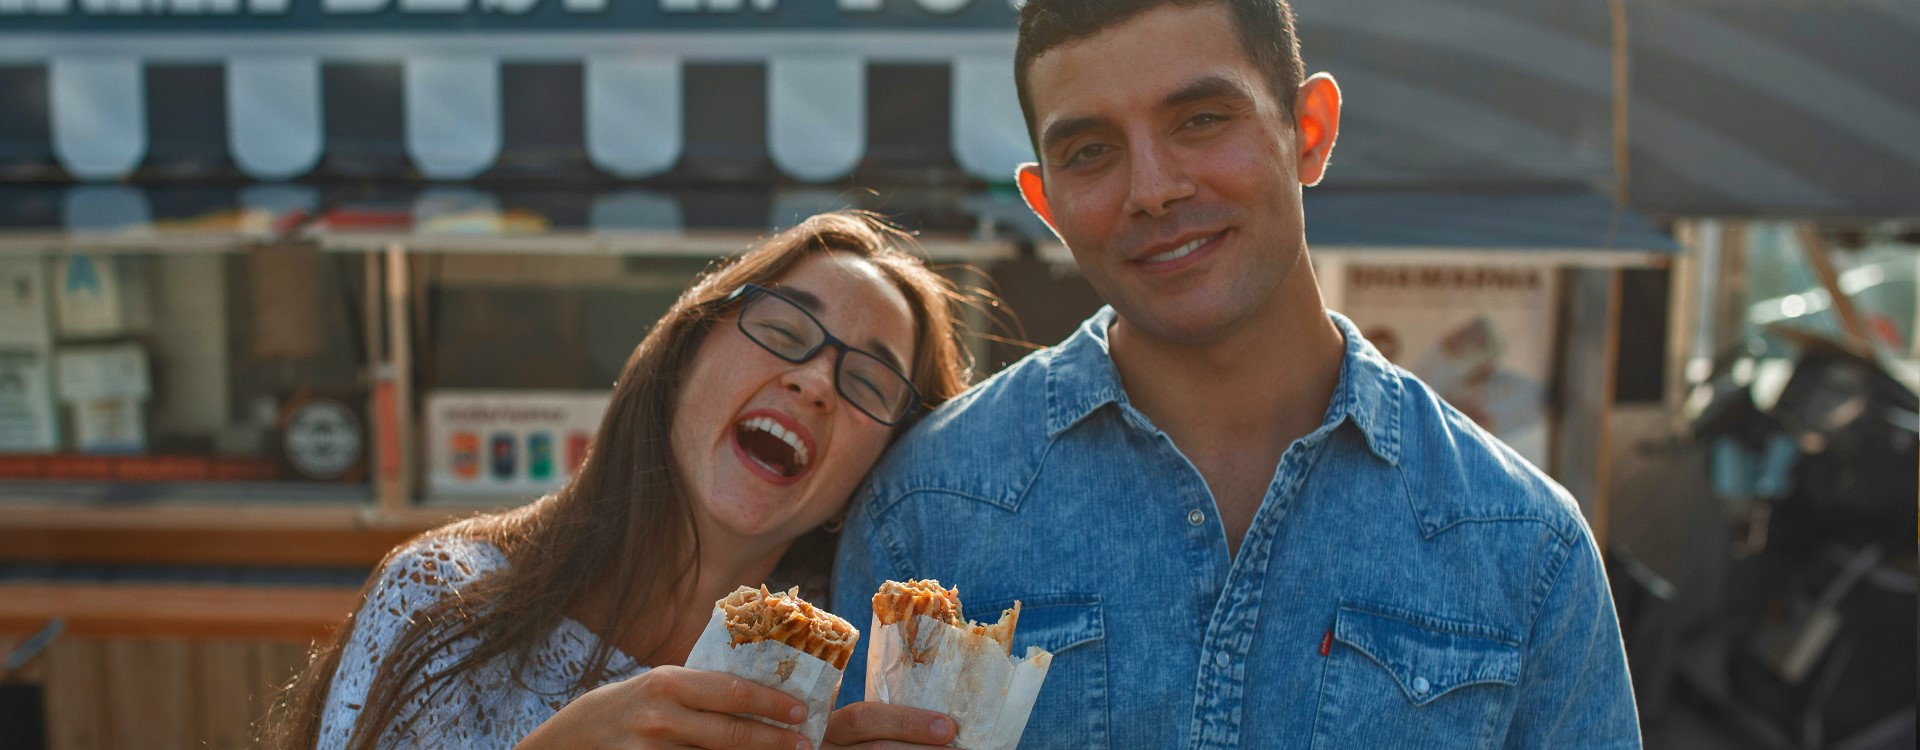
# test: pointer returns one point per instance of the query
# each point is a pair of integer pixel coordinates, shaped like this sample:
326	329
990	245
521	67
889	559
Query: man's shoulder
1457	472
977	441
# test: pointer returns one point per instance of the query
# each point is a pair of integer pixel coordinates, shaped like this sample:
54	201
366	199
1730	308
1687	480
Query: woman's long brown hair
622	524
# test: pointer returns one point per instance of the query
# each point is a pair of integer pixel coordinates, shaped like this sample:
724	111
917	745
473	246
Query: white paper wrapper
966	676
775	665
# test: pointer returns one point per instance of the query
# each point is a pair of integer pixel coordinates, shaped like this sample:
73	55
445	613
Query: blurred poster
508	442
1481	336
88	296
23	304
107	388
27	415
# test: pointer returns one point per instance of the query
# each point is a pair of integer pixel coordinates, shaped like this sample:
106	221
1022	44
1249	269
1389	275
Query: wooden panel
226	698
150	694
291	614
274	665
199	547
76	695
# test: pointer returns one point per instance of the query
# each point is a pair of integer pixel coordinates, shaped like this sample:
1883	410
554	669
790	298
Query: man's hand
880	726
673	707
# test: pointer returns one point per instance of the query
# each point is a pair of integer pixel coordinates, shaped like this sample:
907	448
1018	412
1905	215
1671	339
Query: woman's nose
812	380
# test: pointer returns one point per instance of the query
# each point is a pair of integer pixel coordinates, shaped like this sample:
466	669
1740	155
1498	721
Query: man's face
1170	170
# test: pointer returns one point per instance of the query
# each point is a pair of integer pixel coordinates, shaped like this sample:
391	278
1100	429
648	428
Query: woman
743	421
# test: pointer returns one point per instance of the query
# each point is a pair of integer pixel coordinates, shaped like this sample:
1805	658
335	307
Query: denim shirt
1407	582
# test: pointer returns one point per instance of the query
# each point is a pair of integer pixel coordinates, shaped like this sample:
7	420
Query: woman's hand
674	707
881	726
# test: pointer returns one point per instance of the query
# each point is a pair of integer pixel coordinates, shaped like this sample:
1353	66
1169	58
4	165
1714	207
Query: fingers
870	722
727	694
723	732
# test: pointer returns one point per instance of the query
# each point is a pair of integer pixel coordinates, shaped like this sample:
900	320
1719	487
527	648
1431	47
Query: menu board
508	442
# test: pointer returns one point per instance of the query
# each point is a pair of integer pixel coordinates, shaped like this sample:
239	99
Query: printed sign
24	304
89	296
1480	336
27	416
107	387
522	443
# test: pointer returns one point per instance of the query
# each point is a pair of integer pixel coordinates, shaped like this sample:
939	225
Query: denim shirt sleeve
1574	689
859	568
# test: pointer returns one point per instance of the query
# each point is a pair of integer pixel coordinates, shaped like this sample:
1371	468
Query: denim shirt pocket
1398	678
1071	711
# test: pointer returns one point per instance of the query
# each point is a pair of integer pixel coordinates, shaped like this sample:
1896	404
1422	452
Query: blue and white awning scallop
460	114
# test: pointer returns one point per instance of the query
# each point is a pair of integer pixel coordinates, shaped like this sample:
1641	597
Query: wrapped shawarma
922	652
779	640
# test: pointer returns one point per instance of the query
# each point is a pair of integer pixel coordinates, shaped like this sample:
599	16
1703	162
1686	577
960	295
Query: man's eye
1204	119
1089	151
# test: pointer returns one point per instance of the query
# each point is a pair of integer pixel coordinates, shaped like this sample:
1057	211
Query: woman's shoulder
435	564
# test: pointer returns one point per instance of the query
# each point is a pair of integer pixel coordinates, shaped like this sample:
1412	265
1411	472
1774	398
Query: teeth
1179	252
767	425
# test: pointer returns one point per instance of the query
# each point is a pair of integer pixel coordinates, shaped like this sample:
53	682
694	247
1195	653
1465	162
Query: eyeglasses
781	326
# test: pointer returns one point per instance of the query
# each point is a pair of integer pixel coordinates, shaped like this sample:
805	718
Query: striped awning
801	119
1784	107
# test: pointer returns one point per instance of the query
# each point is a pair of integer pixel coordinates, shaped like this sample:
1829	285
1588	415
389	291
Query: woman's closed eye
865	384
780	333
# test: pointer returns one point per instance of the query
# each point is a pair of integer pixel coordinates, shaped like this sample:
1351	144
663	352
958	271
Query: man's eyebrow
1061	130
1210	87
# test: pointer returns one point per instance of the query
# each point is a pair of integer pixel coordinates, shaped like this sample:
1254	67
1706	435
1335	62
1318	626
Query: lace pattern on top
483	708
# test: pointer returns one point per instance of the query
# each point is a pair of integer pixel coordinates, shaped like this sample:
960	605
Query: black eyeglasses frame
747	294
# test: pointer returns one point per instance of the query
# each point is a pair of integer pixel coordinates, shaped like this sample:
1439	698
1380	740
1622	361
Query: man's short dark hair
1265	27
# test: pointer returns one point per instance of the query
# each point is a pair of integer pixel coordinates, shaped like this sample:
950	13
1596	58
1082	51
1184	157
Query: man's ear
1035	192
1316	119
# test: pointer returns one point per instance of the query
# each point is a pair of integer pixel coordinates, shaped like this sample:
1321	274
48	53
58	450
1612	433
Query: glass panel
515	358
183	376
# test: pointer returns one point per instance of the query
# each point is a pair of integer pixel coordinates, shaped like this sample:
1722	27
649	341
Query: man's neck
1270	378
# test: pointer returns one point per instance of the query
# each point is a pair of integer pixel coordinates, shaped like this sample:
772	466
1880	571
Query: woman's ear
1316	117
1034	190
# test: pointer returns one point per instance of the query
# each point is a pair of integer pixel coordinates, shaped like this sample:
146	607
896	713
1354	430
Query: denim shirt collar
1082	378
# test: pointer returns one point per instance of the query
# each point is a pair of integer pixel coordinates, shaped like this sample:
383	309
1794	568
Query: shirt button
1221	658
1195	517
1420	686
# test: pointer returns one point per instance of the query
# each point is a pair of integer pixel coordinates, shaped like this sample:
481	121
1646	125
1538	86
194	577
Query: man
1230	519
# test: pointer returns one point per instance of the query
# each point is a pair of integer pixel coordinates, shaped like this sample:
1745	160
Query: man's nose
1156	179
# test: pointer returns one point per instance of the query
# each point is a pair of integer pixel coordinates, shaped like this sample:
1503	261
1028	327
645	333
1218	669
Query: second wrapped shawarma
779	640
922	652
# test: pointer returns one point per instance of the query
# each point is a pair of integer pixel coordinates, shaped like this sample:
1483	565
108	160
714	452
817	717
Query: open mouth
773	447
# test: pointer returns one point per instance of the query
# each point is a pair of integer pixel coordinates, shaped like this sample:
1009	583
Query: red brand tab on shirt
1326	643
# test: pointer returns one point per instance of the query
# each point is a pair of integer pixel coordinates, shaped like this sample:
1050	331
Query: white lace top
484	708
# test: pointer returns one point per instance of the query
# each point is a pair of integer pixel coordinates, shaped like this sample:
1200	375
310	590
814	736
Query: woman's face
748	481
